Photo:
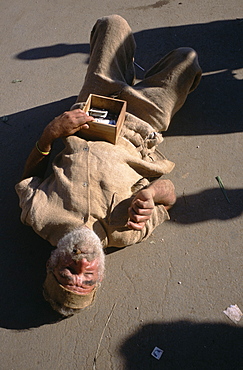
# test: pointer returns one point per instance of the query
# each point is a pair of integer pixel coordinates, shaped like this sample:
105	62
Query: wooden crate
104	131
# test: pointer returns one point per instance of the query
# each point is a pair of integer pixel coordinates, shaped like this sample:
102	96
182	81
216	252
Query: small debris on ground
16	80
218	178
157	353
136	64
234	313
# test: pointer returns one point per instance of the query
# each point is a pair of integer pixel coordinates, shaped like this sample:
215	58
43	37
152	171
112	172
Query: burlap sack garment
93	182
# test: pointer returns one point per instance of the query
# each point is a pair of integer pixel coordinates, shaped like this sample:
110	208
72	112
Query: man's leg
112	48
165	88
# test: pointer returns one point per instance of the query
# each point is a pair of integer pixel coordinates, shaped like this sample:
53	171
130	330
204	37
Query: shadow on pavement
215	107
186	345
23	253
53	51
208	205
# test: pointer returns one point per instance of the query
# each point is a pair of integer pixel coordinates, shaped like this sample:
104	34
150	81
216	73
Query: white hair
79	243
83	240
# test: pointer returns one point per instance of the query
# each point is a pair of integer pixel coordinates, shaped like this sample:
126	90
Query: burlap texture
164	88
93	182
65	297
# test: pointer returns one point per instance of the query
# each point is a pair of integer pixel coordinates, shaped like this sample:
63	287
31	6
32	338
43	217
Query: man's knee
187	53
113	20
189	57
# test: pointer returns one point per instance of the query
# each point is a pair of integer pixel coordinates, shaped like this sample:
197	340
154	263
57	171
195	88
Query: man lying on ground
100	194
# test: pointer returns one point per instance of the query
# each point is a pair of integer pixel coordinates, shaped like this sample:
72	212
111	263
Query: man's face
79	276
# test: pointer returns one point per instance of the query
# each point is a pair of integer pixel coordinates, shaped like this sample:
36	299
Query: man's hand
67	124
141	209
64	125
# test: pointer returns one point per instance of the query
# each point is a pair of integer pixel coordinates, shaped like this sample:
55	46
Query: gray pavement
171	290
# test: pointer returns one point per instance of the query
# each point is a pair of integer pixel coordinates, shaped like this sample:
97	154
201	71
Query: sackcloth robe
93	182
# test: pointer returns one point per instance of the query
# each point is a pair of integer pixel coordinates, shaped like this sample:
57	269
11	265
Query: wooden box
104	131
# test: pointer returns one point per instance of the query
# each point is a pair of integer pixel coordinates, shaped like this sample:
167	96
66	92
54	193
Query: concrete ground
170	291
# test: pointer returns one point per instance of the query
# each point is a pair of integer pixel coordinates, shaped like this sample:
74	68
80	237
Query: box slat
104	131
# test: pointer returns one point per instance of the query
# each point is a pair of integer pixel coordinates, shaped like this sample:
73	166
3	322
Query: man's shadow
185	345
23	253
214	108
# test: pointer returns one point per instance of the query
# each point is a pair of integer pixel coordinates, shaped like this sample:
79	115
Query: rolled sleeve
26	190
120	236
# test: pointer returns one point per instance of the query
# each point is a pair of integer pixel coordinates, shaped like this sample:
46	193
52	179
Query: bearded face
74	270
78	273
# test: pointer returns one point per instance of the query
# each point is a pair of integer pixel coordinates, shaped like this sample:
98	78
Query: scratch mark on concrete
102	334
126	275
167	282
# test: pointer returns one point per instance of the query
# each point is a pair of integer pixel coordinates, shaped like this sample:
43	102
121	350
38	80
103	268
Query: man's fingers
68	123
77	115
142	211
139	217
88	118
143	203
135	225
82	117
85	126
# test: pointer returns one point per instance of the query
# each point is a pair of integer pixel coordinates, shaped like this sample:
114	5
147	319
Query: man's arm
140	211
64	125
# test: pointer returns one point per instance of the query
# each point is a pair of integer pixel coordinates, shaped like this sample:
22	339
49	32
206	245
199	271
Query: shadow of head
23	272
53	51
186	345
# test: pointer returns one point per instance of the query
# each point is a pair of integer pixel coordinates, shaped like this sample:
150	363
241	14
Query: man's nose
84	262
81	265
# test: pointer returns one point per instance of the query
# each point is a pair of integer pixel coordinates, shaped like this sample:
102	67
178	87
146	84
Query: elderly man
100	194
